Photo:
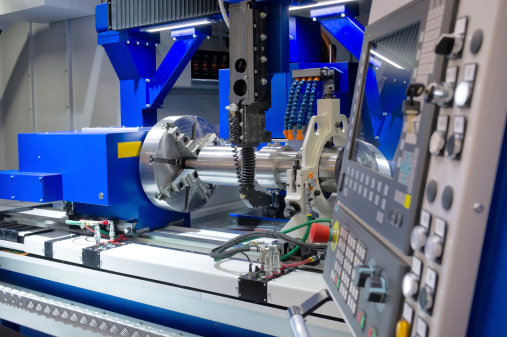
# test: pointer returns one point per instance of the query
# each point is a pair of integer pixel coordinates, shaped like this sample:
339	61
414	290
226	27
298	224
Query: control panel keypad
350	253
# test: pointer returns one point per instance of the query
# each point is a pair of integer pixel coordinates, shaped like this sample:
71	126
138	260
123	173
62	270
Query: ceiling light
318	4
177	25
385	59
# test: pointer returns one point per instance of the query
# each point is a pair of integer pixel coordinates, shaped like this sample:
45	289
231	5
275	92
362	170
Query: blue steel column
132	53
340	22
171	68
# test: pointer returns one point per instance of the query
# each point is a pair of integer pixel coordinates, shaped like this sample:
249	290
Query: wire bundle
222	252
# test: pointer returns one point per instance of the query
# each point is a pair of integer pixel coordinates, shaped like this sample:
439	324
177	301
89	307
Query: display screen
390	65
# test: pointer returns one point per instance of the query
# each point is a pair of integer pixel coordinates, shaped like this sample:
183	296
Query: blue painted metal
347	30
277	31
30	186
190	32
350	9
489	307
170	319
171	68
304	43
90	168
132	53
88	163
101	18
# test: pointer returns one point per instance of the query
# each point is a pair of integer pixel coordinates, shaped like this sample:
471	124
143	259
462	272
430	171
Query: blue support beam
341	23
171	68
348	31
132	53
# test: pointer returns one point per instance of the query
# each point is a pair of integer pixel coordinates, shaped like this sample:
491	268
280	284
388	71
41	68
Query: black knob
445	45
426	298
376	289
450	45
291	209
361	274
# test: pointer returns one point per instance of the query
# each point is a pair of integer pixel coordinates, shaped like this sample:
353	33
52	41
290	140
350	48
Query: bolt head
478	207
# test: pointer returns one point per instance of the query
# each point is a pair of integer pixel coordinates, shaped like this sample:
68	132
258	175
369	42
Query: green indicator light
338	283
363	320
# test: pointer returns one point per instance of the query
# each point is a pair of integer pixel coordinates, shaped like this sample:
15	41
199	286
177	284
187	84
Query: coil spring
234	136
248	172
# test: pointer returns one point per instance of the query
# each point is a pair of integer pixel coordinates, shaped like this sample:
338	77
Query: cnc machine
374	183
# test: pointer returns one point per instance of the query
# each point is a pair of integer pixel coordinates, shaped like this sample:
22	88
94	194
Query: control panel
419	168
363	277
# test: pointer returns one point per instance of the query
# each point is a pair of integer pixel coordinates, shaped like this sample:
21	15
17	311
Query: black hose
222	252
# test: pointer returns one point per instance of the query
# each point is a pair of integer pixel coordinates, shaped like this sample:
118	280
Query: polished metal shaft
216	165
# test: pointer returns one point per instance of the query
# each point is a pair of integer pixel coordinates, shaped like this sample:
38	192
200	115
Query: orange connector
290	136
299	135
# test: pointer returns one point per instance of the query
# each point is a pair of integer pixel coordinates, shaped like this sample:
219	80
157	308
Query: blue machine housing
30	186
90	172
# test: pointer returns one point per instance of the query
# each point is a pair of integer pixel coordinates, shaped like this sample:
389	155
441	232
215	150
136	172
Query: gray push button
431	191
447	197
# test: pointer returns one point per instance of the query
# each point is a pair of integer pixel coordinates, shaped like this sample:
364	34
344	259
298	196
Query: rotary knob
434	247
361	274
449	45
376	289
440	94
410	285
454	146
437	143
418	237
426	298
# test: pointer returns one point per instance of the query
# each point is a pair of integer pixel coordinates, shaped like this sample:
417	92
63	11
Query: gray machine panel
355	247
389	203
442	229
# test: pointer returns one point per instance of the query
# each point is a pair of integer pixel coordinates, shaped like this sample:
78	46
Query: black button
447	197
340	183
399	219
444	45
476	43
431	191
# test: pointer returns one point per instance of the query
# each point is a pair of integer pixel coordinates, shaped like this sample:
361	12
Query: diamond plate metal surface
77	316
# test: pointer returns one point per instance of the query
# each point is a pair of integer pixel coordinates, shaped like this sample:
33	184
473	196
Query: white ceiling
43	11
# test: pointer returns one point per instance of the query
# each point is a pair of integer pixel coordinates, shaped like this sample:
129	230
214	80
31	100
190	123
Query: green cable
305	224
305	236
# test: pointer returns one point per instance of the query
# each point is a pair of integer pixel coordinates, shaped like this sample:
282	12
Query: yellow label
129	149
408	199
336	229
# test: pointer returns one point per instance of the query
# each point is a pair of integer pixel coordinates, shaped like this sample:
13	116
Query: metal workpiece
272	165
330	161
215	165
166	182
371	157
